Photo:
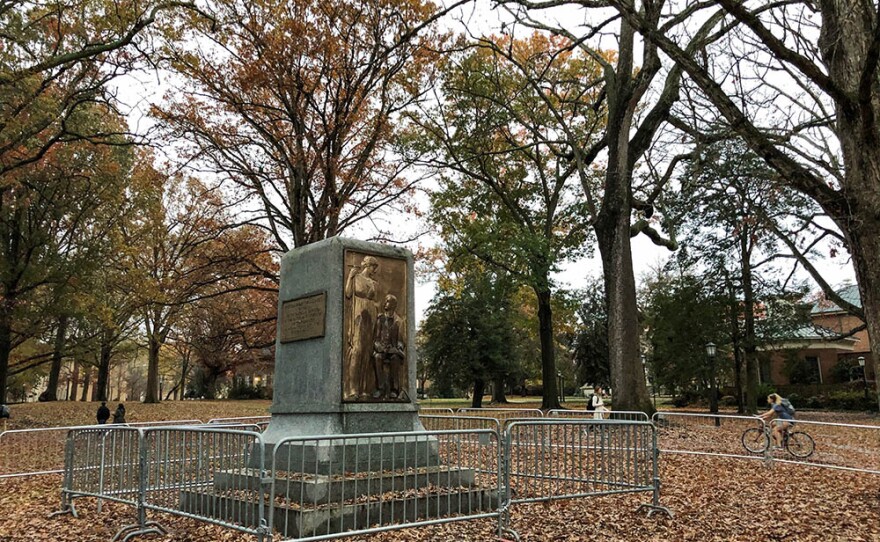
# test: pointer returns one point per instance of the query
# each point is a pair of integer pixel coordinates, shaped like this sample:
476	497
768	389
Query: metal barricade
165	423
258	420
839	446
253	427
103	462
357	484
436	411
213	475
30	452
502	414
623	415
33	451
563	459
459	423
705	434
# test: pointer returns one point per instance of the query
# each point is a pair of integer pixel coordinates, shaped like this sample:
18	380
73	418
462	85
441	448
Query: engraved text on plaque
303	318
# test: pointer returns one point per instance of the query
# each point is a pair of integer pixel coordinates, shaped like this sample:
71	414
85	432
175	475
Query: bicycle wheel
755	440
800	445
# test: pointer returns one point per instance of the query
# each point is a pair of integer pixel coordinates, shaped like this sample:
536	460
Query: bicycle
798	443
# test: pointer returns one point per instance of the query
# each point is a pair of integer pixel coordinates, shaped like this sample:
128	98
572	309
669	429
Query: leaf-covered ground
66	413
712	498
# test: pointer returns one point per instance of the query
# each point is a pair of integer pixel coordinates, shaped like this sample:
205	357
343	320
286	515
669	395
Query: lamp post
864	374
711	350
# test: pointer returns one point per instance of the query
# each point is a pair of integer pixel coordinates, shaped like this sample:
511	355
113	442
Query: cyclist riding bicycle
779	408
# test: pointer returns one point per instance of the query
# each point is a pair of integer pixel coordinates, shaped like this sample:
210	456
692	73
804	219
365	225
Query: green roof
849	294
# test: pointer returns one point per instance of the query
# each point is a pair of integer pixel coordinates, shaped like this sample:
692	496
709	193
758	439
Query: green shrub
814	402
242	390
728	401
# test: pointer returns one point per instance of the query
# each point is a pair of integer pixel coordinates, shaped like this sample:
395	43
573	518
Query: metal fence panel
258	420
214	475
624	415
458	423
358	484
833	445
559	459
29	452
705	434
502	413
102	462
435	411
165	423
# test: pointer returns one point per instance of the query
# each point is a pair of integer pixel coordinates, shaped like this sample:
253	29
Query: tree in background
821	137
180	250
590	343
55	218
468	333
294	103
635	106
505	194
56	62
682	314
730	208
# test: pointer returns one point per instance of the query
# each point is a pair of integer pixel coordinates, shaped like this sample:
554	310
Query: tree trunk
612	228
866	260
87	380
498	395
5	350
479	390
102	385
750	345
57	357
74	383
550	398
152	391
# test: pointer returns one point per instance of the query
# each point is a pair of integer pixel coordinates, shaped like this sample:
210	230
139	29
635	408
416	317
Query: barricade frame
797	424
586	424
498	473
257	454
656	420
628	415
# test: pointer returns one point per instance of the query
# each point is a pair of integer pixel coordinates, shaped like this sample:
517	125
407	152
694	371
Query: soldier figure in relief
389	351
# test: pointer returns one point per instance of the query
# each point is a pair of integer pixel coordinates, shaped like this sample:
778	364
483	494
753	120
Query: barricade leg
67	506
143	526
655	506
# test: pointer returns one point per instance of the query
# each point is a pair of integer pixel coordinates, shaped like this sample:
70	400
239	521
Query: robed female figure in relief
361	290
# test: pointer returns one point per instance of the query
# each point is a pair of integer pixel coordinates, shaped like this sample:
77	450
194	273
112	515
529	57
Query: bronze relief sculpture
375	354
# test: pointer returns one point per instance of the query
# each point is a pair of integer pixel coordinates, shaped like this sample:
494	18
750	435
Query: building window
764	375
813	370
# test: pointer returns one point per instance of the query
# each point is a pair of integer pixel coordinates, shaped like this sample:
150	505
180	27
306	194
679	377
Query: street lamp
711	350
864	374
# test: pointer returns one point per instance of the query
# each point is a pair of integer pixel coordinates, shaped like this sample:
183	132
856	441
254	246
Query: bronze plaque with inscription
303	318
375	310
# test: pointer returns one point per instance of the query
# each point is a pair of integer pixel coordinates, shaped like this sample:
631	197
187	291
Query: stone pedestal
345	365
311	372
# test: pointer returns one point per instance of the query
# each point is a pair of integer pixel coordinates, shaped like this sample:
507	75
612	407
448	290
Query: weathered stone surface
308	394
323	489
338	518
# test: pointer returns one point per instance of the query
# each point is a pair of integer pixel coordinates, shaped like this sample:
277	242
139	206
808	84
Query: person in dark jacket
119	415
4	415
103	413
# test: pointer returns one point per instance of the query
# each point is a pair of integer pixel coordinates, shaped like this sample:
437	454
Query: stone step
338	517
315	489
